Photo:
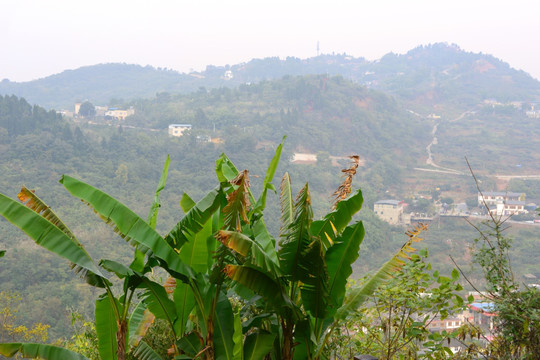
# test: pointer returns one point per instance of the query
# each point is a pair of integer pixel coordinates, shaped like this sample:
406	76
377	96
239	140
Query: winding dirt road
429	160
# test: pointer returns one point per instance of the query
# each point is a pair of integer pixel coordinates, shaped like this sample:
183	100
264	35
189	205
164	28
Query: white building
508	208
503	203
495	197
178	129
119	114
390	211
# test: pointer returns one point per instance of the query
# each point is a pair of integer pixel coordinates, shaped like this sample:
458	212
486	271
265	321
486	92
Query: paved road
510	177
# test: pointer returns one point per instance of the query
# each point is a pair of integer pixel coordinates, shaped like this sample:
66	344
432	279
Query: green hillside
247	116
445	77
433	76
317	113
127	162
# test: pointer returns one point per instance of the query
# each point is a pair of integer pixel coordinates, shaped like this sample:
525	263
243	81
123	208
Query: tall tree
87	109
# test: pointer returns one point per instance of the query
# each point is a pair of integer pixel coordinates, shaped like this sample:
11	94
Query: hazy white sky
39	37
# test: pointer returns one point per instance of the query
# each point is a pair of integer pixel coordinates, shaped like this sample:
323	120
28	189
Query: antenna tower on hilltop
317	47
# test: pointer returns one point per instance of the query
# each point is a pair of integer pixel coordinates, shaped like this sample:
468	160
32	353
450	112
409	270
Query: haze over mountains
430	75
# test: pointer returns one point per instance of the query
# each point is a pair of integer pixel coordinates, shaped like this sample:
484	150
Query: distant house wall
449	323
304	158
390	211
120	114
509	208
178	129
101	110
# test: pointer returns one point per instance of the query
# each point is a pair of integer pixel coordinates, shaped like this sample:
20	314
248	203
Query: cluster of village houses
176	130
101	111
480	312
499	204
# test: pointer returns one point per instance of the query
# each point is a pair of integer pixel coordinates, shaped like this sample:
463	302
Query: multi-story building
494	197
390	211
503	203
508	208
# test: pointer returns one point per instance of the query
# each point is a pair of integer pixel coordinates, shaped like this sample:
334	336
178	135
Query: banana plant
221	246
112	317
302	283
39	351
195	237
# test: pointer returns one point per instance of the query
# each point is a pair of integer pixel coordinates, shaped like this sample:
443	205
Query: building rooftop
179	125
484	307
387	202
512	202
500	193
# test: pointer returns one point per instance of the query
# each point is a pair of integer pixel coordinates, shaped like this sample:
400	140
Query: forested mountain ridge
317	113
442	75
433	75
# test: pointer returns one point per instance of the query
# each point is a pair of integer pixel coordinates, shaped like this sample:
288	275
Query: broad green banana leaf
238	338
286	204
139	322
261	284
226	172
186	203
194	252
145	352
258	344
191	344
334	222
314	287
302	337
158	302
339	259
140	250
120	270
267	183
106	326
203	293
52	238
255	321
251	250
41	351
297	238
130	226
195	218
224	329
152	215
138	259
32	201
184	302
265	240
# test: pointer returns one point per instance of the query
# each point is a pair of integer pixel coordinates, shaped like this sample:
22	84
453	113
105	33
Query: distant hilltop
426	74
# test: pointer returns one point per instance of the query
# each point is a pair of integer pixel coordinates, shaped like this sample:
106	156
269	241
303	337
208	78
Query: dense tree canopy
87	109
